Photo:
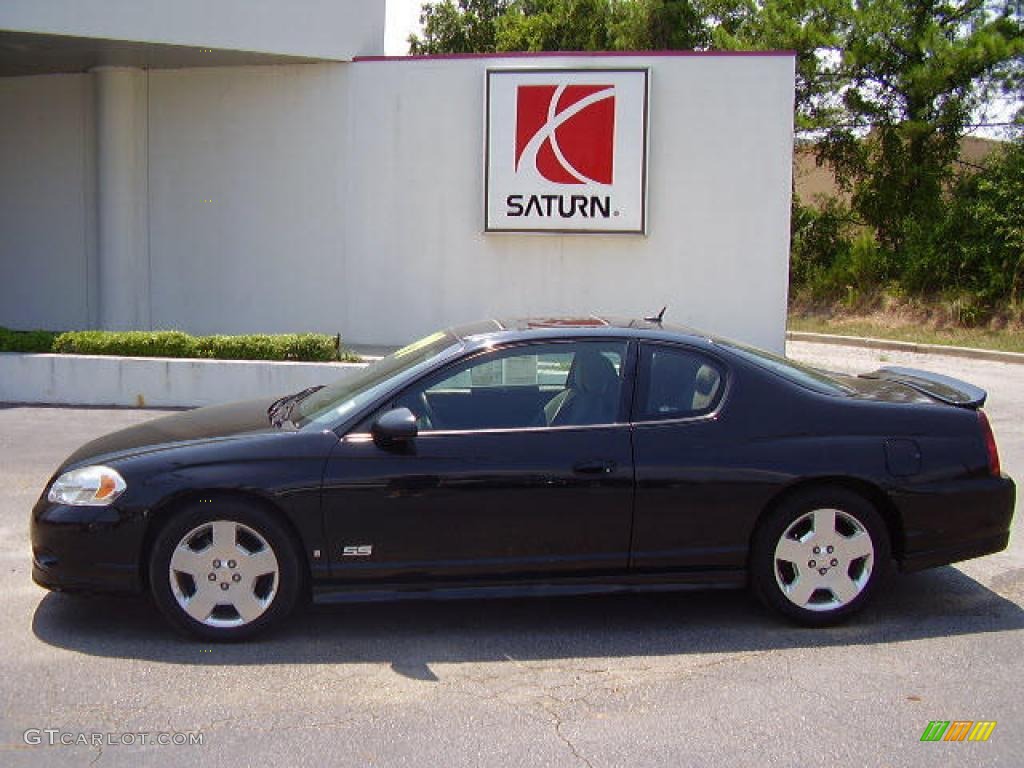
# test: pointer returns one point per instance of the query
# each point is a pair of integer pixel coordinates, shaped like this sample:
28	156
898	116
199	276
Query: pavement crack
571	746
559	723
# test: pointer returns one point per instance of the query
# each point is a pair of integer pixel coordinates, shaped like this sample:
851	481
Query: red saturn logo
566	132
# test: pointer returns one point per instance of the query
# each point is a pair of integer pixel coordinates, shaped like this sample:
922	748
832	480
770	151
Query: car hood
211	422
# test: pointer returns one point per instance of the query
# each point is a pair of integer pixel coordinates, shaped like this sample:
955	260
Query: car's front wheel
820	555
224	570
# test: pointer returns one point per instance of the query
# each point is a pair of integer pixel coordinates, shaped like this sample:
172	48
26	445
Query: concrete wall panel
47	237
155	382
247	172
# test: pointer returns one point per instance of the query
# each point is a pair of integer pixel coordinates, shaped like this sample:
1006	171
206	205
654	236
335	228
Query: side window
536	385
677	383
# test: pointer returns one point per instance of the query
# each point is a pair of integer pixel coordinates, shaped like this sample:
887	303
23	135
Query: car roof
548	327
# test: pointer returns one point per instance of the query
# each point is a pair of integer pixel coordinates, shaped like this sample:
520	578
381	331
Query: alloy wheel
224	574
823	560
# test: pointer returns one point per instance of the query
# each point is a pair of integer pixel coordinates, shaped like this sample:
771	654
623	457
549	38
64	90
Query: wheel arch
863	488
160	514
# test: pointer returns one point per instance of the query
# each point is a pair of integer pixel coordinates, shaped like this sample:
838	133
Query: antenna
657	318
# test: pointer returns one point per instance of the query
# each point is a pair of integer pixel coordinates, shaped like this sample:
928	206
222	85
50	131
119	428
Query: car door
522	465
692	500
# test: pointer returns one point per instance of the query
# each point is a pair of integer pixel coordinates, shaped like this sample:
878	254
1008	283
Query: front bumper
85	549
955	521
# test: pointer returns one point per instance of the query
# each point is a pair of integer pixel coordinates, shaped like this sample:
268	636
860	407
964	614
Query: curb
906	346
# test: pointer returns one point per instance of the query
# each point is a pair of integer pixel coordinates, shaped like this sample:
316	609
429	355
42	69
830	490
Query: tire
224	570
820	555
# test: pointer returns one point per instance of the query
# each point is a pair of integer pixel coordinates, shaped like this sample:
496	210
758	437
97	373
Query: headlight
87	487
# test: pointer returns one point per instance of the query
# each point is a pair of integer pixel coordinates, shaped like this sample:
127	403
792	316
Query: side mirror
394	427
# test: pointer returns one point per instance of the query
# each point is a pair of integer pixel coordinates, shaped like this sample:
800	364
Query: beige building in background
813	182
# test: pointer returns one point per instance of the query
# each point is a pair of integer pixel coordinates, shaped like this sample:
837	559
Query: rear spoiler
944	388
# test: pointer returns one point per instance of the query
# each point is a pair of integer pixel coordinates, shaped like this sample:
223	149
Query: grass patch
304	347
1003	339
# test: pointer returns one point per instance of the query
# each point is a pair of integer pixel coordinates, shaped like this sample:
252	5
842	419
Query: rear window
676	383
804	375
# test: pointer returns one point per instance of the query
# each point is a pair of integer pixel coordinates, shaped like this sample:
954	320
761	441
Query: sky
402	19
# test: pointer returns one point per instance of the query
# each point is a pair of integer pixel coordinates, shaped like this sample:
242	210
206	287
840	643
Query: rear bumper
85	549
977	548
955	521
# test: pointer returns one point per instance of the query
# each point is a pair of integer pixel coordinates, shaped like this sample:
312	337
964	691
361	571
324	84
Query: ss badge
360	550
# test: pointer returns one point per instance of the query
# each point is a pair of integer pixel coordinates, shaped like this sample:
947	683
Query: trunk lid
945	389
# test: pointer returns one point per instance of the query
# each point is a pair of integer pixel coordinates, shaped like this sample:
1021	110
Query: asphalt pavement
686	679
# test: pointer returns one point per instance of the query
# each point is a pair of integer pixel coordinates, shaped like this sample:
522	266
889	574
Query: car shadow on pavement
412	635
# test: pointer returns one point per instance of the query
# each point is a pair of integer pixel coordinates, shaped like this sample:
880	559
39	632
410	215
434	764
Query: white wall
348	197
247	175
47	237
329	29
719	184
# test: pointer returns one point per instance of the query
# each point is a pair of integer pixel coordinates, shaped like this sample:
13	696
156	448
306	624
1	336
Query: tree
889	87
916	73
467	27
555	25
488	26
984	228
655	25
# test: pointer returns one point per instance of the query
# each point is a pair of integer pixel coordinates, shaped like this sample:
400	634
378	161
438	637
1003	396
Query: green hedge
26	341
286	346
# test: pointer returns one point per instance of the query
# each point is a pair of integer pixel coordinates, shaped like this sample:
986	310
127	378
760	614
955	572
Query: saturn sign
566	150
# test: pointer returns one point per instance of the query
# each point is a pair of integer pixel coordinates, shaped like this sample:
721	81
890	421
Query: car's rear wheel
224	570
820	555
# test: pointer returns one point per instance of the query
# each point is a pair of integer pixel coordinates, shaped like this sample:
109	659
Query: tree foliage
983	230
467	26
489	26
916	72
889	89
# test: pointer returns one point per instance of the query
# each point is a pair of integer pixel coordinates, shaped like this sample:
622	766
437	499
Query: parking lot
687	679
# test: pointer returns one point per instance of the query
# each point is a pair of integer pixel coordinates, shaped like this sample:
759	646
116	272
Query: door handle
598	467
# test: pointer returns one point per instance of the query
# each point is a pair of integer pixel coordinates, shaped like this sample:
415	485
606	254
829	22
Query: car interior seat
591	394
707	384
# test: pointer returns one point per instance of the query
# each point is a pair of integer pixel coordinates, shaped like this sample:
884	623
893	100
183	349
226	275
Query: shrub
820	237
292	346
983	233
129	343
317	347
834	258
26	341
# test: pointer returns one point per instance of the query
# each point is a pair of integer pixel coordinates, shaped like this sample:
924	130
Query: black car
548	456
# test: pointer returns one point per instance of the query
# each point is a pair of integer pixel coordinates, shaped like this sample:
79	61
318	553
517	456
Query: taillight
990	444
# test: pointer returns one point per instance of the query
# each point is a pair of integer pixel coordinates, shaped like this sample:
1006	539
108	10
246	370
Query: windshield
343	398
804	375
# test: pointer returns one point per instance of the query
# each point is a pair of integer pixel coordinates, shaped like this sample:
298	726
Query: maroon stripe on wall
570	54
